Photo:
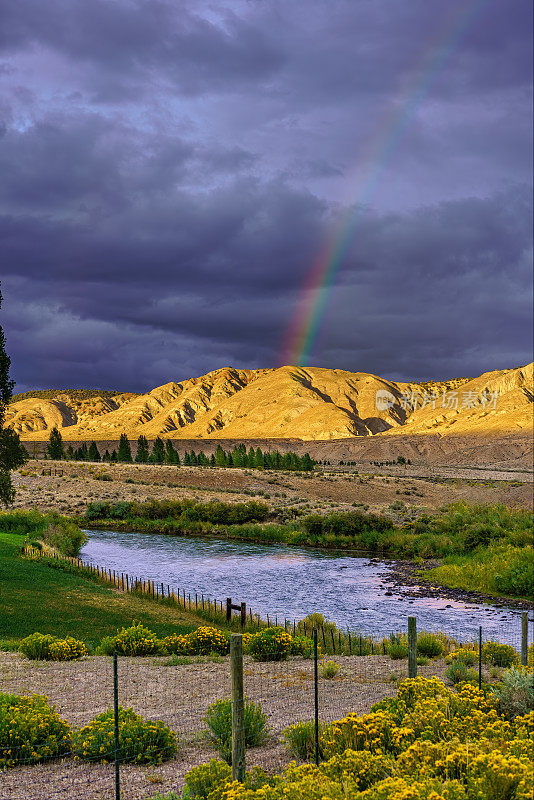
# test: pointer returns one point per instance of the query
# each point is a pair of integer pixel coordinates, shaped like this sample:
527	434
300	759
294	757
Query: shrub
140	741
329	669
469	657
316	620
133	641
206	640
176	644
63	535
459	672
363	769
429	645
301	646
299	739
45	647
270	644
398	650
30	731
499	655
219	721
515	692
202	780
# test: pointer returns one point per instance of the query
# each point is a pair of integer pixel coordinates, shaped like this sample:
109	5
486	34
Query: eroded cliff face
289	402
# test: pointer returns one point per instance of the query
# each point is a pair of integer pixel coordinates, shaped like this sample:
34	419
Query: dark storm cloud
171	171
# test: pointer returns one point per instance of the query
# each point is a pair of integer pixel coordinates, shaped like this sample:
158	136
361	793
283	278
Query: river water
291	582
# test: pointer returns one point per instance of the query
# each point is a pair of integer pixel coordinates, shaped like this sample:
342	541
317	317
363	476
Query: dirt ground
180	696
73	484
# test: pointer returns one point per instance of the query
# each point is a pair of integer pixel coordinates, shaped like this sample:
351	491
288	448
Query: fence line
332	640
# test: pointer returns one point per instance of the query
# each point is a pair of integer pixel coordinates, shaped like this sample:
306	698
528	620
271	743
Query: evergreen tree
295	461
113	456
142	454
251	455
171	456
106	456
55	445
203	460
220	457
84	452
307	462
70	452
187	459
237	457
286	461
193	458
158	451
124	454
212	460
258	459
94	454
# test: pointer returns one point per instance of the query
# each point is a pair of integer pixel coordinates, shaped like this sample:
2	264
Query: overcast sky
171	170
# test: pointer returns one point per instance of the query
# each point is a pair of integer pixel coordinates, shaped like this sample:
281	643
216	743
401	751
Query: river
291	582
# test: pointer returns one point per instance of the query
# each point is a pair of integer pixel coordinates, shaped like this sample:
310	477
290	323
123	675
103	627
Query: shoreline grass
37	598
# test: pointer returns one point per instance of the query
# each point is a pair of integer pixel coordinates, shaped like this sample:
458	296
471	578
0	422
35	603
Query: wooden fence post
412	647
228	609
238	708
243	614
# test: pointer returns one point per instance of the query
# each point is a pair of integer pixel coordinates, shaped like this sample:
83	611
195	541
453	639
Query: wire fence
178	691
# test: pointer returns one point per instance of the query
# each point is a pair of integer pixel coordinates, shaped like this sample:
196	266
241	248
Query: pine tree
94	454
251	455
142	454
258	459
84	452
158	451
193	458
171	456
212	460
220	457
55	445
70	452
307	462
113	456
187	459
125	451
106	456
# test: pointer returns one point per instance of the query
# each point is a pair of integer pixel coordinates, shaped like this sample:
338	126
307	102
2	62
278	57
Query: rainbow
301	334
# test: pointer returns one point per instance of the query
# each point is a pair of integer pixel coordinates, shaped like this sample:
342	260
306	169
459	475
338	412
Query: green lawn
34	597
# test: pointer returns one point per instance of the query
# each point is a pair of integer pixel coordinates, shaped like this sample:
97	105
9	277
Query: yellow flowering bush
30	731
45	647
373	732
499	655
270	644
176	643
207	640
427	743
133	641
67	649
363	768
140	741
495	776
464	654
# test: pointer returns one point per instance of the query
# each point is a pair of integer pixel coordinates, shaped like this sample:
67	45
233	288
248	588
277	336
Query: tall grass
499	569
51	529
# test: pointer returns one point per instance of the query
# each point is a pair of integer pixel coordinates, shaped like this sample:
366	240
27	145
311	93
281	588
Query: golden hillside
289	402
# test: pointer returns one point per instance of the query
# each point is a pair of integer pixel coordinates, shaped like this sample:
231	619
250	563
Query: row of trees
165	453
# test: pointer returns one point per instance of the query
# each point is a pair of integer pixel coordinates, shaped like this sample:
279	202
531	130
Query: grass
497	570
36	598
